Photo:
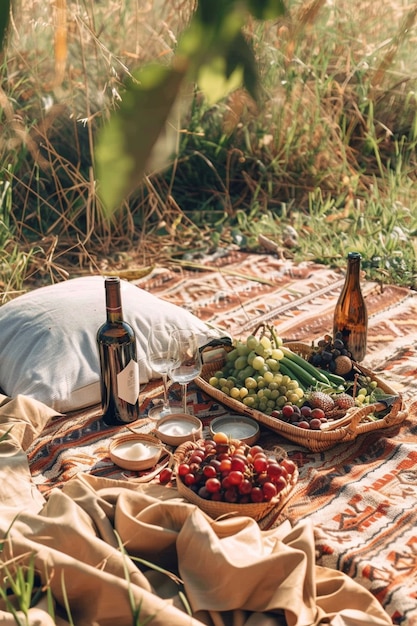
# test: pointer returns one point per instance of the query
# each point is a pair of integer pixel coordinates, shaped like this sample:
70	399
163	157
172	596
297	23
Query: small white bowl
135	452
239	427
177	428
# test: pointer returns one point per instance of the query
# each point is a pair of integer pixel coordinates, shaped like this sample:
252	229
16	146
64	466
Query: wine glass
160	360
185	359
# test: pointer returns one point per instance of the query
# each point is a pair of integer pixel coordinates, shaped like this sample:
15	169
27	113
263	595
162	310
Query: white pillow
48	348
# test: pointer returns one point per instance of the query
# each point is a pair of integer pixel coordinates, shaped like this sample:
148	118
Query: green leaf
215	82
241	55
126	143
4	21
266	9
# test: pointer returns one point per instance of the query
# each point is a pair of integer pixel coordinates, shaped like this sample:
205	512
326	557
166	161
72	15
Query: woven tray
257	511
314	440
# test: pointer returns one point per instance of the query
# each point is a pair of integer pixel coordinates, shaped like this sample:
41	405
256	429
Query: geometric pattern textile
361	496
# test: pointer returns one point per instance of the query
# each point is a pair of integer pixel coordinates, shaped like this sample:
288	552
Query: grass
330	149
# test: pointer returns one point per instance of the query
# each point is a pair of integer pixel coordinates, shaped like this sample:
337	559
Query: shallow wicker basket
216	510
315	440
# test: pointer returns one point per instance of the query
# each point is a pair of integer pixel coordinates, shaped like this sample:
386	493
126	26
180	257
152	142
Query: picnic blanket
357	499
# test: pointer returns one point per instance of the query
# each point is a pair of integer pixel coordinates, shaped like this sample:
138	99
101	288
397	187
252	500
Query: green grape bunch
252	375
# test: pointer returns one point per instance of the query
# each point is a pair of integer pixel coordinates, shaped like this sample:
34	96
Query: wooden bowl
239	427
178	428
135	452
257	511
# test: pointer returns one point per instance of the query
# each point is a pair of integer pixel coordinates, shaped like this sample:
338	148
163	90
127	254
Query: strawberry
320	400
343	401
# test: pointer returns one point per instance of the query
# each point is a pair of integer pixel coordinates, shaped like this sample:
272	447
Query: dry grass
63	75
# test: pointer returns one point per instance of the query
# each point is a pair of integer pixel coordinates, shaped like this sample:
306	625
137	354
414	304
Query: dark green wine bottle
119	371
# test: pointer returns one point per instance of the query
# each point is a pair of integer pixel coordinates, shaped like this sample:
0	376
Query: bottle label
128	382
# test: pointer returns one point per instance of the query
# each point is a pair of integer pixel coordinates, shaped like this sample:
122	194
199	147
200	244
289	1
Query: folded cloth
92	542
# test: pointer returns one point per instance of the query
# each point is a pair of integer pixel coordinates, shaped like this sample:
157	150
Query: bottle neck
113	299
353	272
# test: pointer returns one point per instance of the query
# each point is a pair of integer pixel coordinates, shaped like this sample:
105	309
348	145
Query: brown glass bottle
350	315
118	361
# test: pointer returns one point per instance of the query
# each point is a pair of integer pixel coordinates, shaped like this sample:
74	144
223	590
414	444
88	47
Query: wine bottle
350	320
118	361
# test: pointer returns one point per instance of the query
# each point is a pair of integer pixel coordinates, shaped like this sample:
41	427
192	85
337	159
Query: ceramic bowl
178	428
135	452
244	429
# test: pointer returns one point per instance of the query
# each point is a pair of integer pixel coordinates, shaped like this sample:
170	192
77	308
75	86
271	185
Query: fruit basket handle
359	414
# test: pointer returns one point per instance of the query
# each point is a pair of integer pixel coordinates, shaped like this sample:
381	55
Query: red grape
232	472
254	450
287	411
209	471
203	492
216	464
183	469
289	465
317	413
190	479
235	477
238	464
274	470
257	495
165	476
213	485
280	484
269	491
245	486
231	495
225	465
260	463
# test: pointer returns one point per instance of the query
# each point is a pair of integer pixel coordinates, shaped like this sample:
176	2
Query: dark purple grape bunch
332	355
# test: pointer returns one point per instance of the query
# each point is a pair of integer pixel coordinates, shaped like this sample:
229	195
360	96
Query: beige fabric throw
233	573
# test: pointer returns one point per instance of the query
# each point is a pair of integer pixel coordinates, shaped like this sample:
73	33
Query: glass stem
184	397
165	383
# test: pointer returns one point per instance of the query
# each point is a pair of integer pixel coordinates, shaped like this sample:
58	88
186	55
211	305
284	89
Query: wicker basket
315	440
216	510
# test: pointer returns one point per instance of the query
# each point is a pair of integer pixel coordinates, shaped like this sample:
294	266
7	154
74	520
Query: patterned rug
360	496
